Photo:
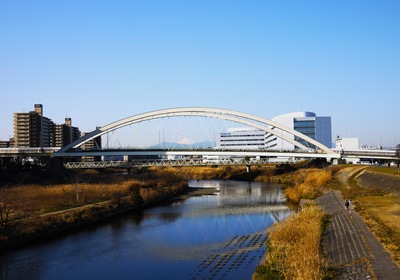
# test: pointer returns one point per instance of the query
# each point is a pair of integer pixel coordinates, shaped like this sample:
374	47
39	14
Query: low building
4	144
346	144
242	138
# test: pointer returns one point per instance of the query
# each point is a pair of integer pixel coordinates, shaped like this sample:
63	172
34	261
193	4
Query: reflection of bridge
195	156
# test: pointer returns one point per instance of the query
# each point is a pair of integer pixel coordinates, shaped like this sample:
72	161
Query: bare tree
76	181
78	190
8	205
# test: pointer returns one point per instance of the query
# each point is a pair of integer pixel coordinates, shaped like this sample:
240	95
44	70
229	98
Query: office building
315	127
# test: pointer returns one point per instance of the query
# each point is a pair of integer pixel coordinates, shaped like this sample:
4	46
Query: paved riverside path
350	247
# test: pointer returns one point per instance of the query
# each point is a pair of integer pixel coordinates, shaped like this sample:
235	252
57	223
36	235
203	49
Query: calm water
218	236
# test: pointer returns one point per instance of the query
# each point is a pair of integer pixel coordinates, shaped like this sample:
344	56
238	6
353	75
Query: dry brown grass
308	184
293	250
42	199
382	215
32	199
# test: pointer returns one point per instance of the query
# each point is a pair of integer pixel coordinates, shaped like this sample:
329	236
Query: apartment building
33	129
65	133
93	145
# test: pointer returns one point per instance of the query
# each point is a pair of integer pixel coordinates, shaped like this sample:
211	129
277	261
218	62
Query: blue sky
100	61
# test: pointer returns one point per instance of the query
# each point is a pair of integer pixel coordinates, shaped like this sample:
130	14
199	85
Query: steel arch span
230	115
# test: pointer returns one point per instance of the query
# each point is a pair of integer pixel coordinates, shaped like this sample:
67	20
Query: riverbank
40	227
364	241
197	238
35	205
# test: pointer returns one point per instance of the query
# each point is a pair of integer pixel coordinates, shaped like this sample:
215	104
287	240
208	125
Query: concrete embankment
349	246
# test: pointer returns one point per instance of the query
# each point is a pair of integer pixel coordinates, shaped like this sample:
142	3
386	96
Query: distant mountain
170	145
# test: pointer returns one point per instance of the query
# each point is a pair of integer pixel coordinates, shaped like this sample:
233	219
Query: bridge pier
56	163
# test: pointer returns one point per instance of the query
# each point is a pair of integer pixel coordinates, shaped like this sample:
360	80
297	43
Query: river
221	236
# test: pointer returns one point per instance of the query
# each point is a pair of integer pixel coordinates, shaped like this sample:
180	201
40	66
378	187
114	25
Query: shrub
134	193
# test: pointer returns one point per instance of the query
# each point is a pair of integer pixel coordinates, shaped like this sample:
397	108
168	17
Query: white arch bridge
195	155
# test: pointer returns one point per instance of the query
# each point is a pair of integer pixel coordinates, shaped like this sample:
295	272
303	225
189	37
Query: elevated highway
370	154
28	152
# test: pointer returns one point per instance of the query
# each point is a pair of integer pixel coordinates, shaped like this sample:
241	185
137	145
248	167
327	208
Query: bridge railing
165	162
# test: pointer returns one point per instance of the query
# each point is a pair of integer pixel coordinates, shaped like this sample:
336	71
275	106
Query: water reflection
230	192
219	236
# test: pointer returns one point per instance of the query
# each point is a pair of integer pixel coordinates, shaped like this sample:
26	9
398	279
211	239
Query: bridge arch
230	115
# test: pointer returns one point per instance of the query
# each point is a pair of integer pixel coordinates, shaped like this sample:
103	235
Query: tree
76	180
8	205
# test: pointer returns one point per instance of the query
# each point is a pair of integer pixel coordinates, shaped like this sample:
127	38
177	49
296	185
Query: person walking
347	204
